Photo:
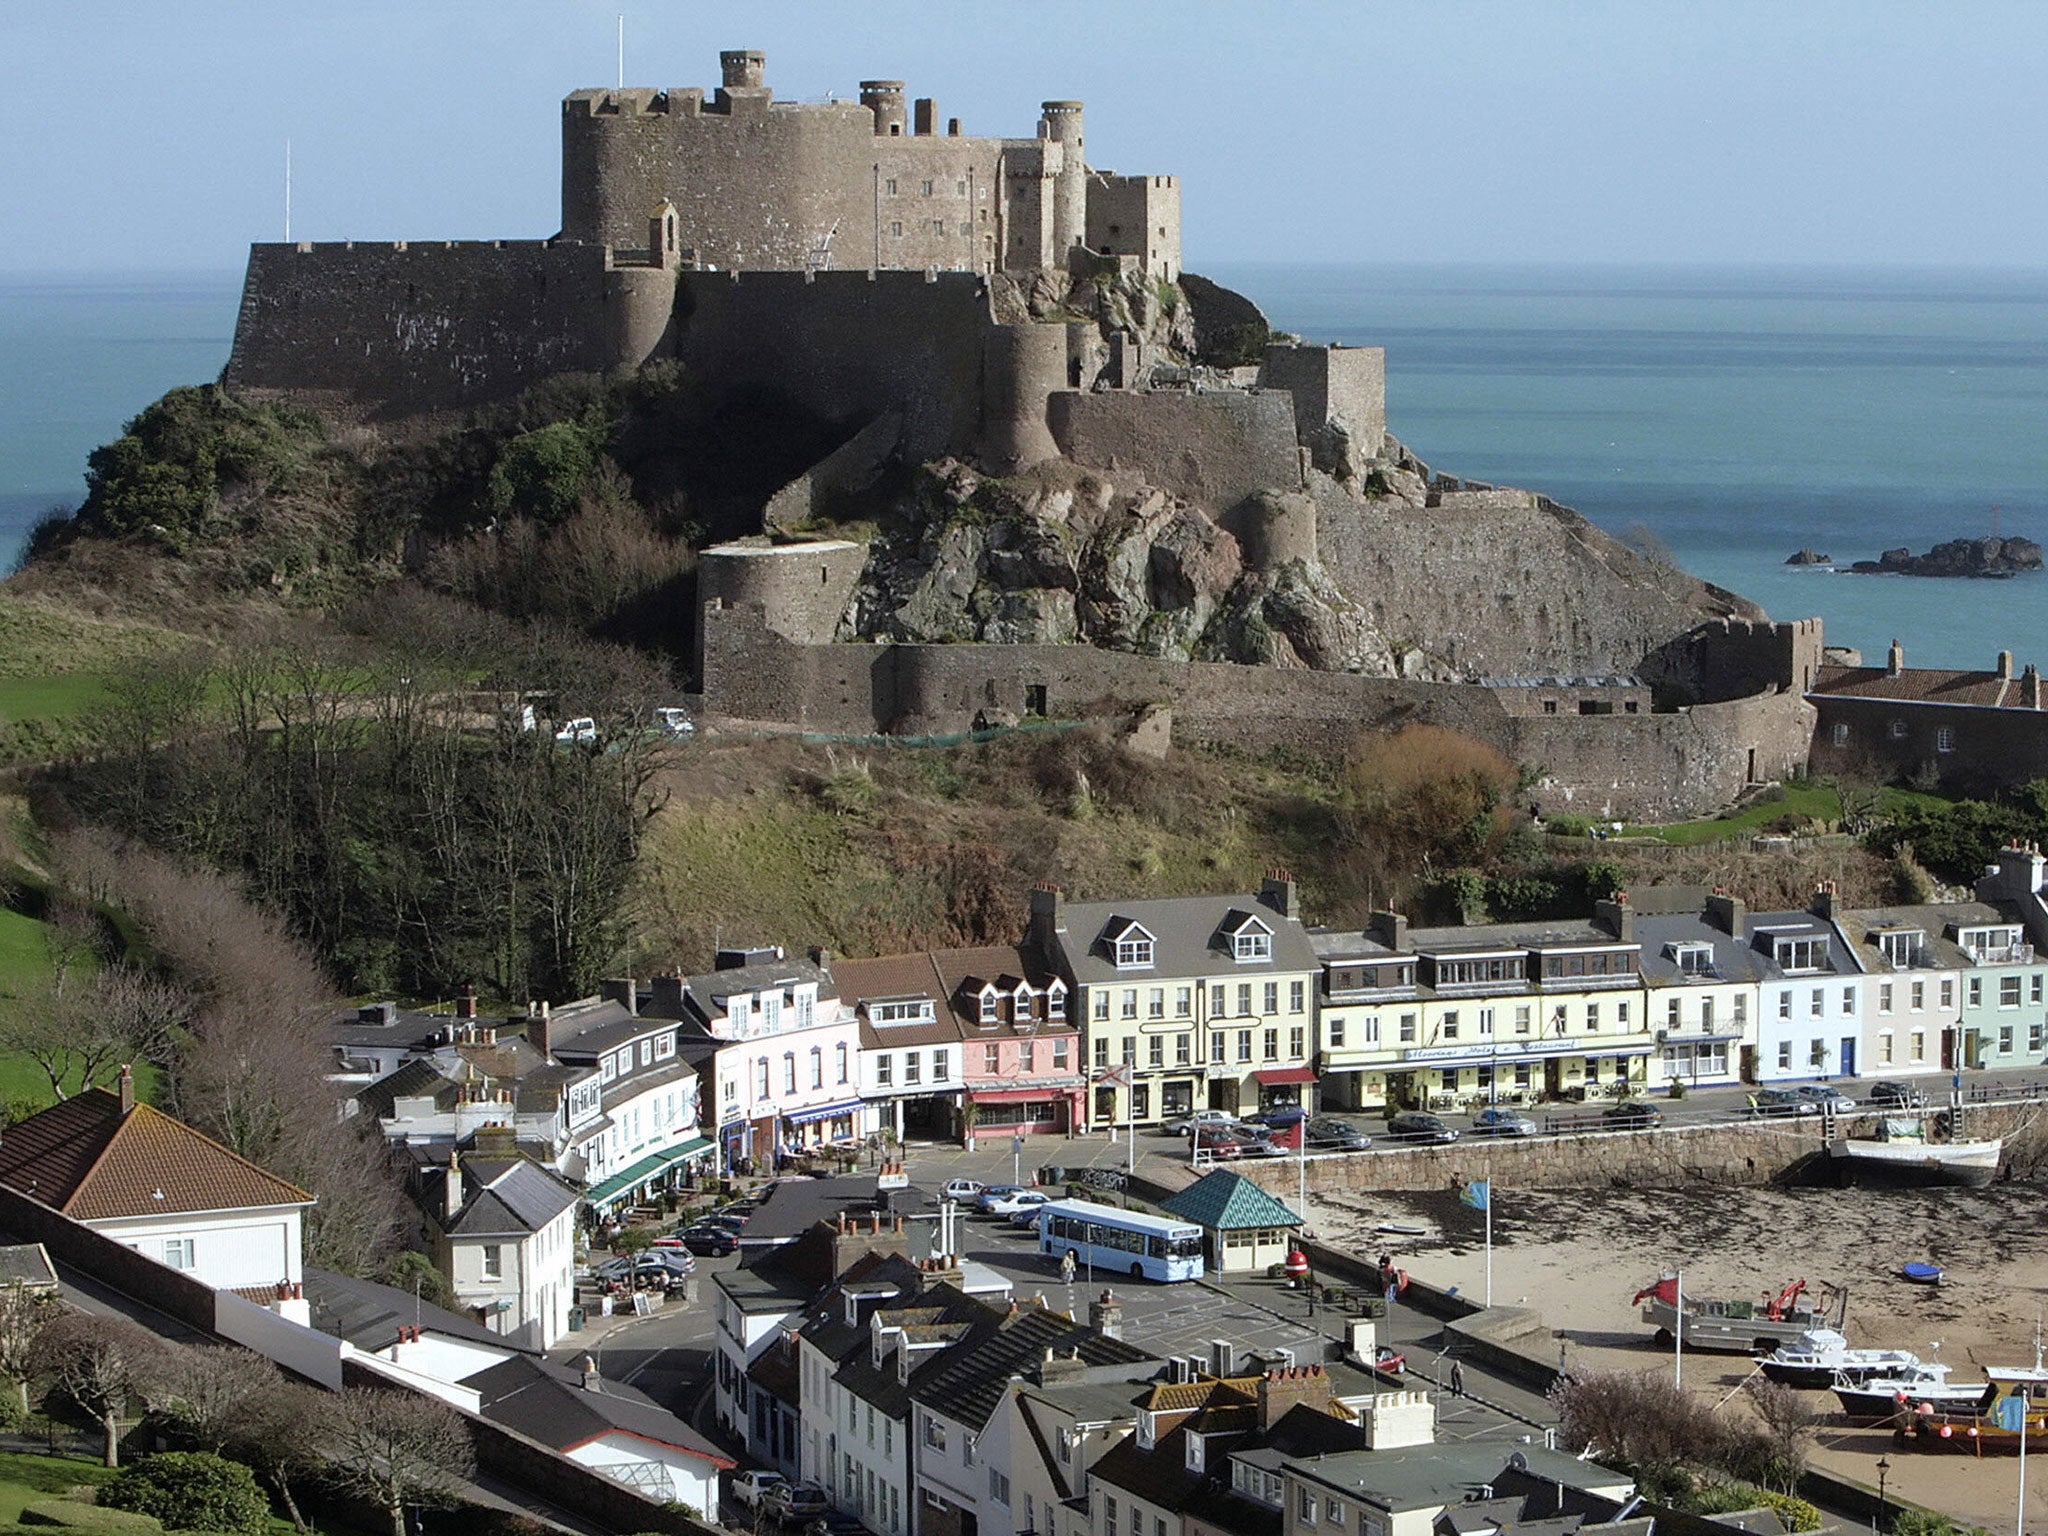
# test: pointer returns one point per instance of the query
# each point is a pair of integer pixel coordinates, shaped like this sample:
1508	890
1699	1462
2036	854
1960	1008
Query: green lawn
25	966
49	696
1818	801
24	1479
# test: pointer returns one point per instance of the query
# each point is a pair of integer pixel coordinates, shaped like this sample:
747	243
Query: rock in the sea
1959	557
1808	557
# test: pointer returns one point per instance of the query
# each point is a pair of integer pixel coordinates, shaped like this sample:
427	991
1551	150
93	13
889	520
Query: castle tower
742	69
884	98
1060	123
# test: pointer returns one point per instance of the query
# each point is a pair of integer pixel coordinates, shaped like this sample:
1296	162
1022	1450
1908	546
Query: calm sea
1737	414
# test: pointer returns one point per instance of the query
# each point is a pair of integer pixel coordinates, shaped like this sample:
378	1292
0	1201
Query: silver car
1822	1097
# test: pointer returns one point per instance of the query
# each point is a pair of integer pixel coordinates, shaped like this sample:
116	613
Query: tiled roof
1919	685
894	977
93	1163
1188	931
1227	1201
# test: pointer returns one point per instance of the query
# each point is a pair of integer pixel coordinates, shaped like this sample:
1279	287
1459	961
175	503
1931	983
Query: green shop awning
632	1179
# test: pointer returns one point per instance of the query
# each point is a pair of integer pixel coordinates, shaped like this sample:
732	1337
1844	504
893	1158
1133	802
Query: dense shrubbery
1956	841
168	470
192	1491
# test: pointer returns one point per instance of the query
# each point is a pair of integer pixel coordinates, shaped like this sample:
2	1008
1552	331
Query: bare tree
1787	1432
76	1030
1643	1419
279	1433
207	1393
23	1314
100	1363
399	1449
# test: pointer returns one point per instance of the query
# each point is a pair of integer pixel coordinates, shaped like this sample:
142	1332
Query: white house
1810	995
503	1230
138	1176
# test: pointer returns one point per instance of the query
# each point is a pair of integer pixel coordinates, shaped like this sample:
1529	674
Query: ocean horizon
1735	414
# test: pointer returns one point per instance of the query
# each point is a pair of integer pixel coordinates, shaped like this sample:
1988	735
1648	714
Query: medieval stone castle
1000	305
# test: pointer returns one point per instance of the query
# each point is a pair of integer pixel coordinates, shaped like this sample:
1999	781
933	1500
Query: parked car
708	1242
985	1202
1497	1121
582	728
1279	1117
1821	1097
1326	1133
665	1264
966	1191
1420	1126
1013	1202
726	1219
1780	1101
1217	1141
1891	1095
795	1501
1259	1141
1389	1359
1024	1207
671	721
1188	1124
1632	1115
748	1488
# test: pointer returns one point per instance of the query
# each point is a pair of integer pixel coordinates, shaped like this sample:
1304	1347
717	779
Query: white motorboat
1821	1357
1881	1399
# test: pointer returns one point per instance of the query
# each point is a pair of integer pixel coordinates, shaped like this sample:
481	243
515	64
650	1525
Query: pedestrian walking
1457	1379
1067	1267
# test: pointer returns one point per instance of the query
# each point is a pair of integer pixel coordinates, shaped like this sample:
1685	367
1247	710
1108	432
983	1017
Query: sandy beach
1579	1256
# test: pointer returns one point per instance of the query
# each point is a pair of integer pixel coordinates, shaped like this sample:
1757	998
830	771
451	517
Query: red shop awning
1273	1077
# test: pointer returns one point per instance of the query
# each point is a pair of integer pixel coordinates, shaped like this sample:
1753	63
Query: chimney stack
540	1033
126	1088
2005	664
1895	660
1048	918
2030	688
1106	1316
924	116
1278	891
451	1186
822	959
1824	894
1390	928
1727	912
592	1381
1618	915
623	991
1282	1390
465	1005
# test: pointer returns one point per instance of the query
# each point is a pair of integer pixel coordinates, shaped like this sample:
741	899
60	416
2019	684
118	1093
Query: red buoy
1296	1265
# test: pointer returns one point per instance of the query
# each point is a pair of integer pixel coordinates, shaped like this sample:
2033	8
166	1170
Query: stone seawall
1736	1154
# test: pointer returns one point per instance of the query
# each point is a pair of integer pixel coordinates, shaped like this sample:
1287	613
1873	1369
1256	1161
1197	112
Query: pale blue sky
140	134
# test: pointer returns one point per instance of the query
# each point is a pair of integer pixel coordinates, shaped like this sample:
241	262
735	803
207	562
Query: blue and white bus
1106	1240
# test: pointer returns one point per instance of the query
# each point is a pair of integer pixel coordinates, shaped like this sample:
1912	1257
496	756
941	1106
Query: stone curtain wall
845	346
1732	658
1345	382
1621	766
1988	749
399	329
1214	449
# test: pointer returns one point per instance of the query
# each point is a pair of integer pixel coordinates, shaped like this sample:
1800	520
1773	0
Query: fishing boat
2012	1407
1900	1152
1884	1399
1734	1326
1821	1357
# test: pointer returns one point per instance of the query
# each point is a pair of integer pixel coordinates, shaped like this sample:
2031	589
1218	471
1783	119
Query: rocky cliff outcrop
1060	555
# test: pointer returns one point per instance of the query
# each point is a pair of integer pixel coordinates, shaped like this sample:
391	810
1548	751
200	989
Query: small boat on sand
1920	1273
1901	1153
1882	1399
1821	1357
2010	1409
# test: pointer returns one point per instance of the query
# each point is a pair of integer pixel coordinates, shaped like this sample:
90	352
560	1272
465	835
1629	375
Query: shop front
1026	1111
805	1130
1700	1060
1515	1072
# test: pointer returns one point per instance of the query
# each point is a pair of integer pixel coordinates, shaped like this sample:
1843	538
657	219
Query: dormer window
990	1007
1148	1432
1056	1000
1902	947
1691	959
1197	1453
2001	944
1133	946
1800	952
1252	946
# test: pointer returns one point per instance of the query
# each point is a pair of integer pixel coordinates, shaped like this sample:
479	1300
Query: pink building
1020	1045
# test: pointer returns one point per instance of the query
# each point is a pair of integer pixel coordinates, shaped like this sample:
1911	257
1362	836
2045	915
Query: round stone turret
884	98
743	68
1060	121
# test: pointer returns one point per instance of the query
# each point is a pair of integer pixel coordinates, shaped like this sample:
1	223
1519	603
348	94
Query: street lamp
1883	1470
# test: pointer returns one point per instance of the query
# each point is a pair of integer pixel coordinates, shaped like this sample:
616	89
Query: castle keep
996	307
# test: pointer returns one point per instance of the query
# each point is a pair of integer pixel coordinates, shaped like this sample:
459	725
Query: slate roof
418	1078
1188	936
1489	937
410	1029
88	1160
968	1380
1732	957
550	1403
590	1029
1939	951
27	1264
1226	1201
1448	1472
1919	685
502	1197
369	1314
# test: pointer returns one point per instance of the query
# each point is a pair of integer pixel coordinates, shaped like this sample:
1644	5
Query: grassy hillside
54	659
